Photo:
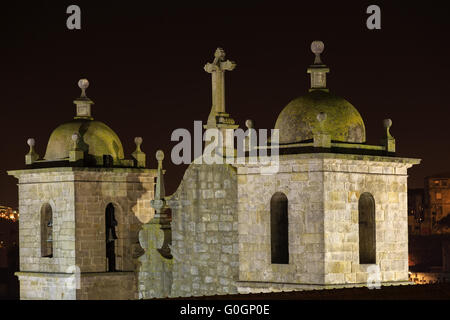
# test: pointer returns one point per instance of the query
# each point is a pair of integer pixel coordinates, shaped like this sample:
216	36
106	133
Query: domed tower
82	206
320	112
334	213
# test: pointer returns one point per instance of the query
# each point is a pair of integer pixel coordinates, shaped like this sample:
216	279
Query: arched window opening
279	228
110	237
46	231
367	242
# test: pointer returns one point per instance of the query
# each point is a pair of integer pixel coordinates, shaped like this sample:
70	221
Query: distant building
437	203
7	213
416	212
429	208
429	230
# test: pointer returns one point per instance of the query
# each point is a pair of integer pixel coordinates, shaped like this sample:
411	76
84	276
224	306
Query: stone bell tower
82	206
335	213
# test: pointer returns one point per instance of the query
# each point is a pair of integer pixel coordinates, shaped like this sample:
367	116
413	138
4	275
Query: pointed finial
317	48
160	192
162	215
160	156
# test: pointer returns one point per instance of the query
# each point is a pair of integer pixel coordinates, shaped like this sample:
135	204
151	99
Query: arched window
46	231
279	228
110	237
367	242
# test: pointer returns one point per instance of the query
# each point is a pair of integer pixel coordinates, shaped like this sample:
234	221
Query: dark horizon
145	67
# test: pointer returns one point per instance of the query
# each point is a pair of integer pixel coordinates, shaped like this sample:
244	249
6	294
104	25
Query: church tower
335	213
82	206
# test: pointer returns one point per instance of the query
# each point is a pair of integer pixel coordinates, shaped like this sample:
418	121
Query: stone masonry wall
46	286
345	180
78	197
55	188
155	273
130	193
107	286
302	183
205	232
323	192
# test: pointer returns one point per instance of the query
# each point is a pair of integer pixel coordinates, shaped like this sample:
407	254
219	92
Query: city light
7	213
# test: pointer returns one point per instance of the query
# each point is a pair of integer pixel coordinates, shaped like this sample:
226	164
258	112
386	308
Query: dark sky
145	64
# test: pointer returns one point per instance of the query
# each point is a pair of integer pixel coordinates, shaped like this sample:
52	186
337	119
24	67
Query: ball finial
249	124
160	155
75	137
387	123
31	142
317	47
322	116
138	140
83	84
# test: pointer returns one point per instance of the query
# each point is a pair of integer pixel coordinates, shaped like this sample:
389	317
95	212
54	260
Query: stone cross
217	70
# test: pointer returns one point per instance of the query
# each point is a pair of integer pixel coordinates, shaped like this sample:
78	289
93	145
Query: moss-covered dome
298	121
96	139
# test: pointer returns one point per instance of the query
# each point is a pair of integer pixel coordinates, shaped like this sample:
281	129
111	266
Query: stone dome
298	121
96	138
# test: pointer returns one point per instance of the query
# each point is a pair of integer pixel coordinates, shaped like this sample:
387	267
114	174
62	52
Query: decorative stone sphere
83	84
321	116
160	155
75	137
387	123
249	123
31	142
317	47
138	140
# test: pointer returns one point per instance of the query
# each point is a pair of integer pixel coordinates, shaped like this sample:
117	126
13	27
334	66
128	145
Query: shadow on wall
140	212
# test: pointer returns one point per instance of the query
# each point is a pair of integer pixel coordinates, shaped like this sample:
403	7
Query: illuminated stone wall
78	198
323	191
302	182
205	232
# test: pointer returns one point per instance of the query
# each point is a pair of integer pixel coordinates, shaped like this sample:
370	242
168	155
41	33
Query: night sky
145	65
